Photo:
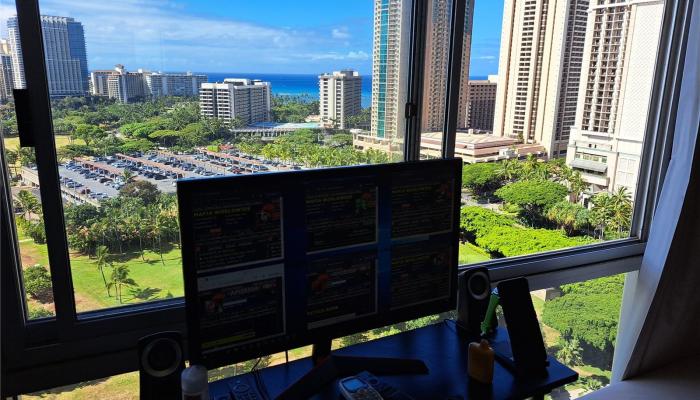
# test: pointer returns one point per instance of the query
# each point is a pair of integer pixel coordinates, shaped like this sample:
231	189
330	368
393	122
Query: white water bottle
195	385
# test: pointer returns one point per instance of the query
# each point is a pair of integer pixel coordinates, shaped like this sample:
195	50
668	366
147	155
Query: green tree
621	202
534	197
144	190
510	169
569	217
37	283
119	279
481	178
570	352
28	203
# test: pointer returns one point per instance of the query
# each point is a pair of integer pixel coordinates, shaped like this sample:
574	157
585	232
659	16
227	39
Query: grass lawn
119	387
155	279
469	254
61	140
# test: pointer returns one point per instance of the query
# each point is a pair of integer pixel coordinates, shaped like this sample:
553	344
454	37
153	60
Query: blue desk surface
445	354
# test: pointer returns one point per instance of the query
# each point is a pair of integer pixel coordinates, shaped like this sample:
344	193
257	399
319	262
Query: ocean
295	84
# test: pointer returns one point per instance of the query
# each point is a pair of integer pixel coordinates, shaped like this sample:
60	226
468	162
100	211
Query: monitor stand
329	367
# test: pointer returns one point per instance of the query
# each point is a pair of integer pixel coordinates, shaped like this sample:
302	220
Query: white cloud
340	33
486	58
157	34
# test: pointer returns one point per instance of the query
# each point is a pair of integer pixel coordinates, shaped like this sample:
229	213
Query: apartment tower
539	71
245	100
65	55
6	76
481	103
619	59
173	84
437	55
340	96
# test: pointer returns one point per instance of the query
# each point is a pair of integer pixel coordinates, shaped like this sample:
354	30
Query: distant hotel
6	76
539	71
340	96
127	86
391	63
65	55
243	99
481	103
613	99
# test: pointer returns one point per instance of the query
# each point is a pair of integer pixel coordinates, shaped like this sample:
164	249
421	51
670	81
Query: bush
37	283
589	312
477	221
39	312
36	231
534	197
481	178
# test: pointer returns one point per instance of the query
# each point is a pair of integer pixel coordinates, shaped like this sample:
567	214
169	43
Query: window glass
24	178
133	112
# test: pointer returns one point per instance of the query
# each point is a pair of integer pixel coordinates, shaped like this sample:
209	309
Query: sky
282	36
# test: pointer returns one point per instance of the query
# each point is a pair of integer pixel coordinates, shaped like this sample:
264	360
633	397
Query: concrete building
98	82
619	59
126	86
437	54
390	67
539	71
340	96
481	103
65	55
6	77
174	84
243	99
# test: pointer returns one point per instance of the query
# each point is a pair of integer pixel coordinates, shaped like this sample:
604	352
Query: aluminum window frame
78	347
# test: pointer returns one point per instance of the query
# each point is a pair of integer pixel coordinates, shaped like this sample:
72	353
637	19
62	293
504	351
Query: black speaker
161	361
473	300
526	343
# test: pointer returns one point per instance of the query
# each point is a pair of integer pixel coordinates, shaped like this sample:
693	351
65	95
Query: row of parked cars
74	166
180	164
133	166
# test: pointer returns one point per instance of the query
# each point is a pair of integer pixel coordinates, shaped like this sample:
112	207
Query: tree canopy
481	178
534	197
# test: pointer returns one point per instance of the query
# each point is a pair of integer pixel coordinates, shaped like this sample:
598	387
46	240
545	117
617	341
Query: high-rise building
437	55
481	103
390	66
392	24
340	96
6	77
126	86
98	82
65	55
243	99
539	71
174	84
606	141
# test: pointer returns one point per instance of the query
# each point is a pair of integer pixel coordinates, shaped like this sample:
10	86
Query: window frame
77	347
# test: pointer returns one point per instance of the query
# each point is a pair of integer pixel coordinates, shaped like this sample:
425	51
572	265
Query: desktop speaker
161	361
473	300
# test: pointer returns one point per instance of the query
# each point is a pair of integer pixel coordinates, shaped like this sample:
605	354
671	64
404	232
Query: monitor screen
281	260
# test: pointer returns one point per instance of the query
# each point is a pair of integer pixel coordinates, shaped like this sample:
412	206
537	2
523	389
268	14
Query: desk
443	352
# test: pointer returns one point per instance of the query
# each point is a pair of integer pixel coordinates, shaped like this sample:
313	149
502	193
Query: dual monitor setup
278	261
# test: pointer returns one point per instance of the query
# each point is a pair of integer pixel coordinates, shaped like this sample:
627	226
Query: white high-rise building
539	71
613	100
98	82
65	55
340	96
246	100
126	86
173	84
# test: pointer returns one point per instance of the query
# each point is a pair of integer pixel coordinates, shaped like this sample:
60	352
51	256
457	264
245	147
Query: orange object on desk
480	361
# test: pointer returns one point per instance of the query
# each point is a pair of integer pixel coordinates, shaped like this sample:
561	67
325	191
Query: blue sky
290	36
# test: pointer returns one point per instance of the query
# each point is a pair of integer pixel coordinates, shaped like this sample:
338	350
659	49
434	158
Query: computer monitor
281	260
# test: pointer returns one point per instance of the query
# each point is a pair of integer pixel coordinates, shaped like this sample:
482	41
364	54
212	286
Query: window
192	90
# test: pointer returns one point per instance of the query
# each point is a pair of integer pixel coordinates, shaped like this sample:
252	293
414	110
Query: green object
487	324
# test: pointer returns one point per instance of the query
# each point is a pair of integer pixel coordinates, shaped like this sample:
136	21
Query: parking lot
100	178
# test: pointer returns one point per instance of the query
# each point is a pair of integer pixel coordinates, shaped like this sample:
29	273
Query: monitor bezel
186	187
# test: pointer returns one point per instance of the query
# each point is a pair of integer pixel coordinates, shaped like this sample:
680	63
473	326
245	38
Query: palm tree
120	278
576	186
622	210
102	261
127	175
510	169
570	352
29	203
602	212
